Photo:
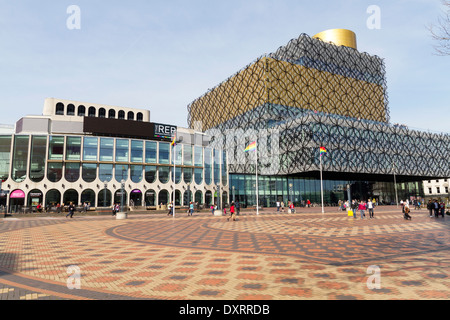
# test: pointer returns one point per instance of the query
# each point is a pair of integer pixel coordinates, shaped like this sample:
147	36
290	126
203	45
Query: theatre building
317	92
90	153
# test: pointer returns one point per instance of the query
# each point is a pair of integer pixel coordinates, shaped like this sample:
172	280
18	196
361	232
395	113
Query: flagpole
257	190
321	181
174	185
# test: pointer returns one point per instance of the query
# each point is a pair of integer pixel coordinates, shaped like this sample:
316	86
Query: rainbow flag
323	150
251	147
174	140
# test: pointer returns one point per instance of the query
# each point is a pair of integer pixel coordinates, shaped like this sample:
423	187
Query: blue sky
162	55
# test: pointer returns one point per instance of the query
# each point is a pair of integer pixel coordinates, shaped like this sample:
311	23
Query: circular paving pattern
271	256
327	239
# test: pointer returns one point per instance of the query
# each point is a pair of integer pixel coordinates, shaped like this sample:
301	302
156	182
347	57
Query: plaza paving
271	256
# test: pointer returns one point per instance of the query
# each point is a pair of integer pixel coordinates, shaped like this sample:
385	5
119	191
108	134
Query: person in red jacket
362	208
232	211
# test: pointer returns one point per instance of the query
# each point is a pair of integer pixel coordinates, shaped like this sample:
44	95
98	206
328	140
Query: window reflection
72	172
20	158
54	171
37	158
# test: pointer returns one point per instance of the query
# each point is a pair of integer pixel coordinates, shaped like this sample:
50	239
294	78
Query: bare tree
441	31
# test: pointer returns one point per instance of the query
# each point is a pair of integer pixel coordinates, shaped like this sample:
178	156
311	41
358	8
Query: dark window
60	109
130	116
111	113
102	113
70	110
81	111
121	115
91	112
139	116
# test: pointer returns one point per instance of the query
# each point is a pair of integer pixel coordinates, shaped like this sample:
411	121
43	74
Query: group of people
437	207
115	208
361	206
190	211
280	205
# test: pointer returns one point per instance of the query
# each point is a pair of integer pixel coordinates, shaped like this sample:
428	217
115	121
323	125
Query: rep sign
164	131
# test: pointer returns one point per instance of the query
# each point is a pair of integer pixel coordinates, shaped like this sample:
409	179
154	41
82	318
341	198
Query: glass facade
298	190
86	159
73	148
164	153
137	151
121	172
72	171
90	149
122	150
5	152
208	166
150	174
55	148
37	158
136	173
89	172
151	148
54	171
20	158
106	149
105	172
217	172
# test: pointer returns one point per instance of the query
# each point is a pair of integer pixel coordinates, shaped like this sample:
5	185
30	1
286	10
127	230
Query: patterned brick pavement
273	256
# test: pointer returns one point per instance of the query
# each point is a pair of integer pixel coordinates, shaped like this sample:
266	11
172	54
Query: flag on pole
322	150
174	140
251	147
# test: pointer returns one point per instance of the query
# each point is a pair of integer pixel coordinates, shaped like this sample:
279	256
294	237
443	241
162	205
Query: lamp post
395	184
234	197
105	184
121	215
290	191
122	187
218	196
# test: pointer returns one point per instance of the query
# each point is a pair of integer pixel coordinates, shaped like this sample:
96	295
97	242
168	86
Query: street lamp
290	191
122	186
105	184
234	197
218	196
395	184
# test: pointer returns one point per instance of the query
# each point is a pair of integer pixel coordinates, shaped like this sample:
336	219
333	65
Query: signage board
164	131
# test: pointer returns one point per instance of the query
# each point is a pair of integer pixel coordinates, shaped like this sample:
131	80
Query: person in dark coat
71	210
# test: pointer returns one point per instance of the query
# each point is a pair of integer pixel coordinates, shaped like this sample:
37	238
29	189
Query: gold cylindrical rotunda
339	37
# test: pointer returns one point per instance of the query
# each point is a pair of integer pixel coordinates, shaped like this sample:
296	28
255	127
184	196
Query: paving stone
278	256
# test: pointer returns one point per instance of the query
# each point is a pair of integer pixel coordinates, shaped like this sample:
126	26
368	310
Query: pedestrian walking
212	209
191	208
354	208
232	212
282	206
362	209
370	206
291	207
430	207
442	208
71	210
436	209
406	211
170	213
278	206
238	208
